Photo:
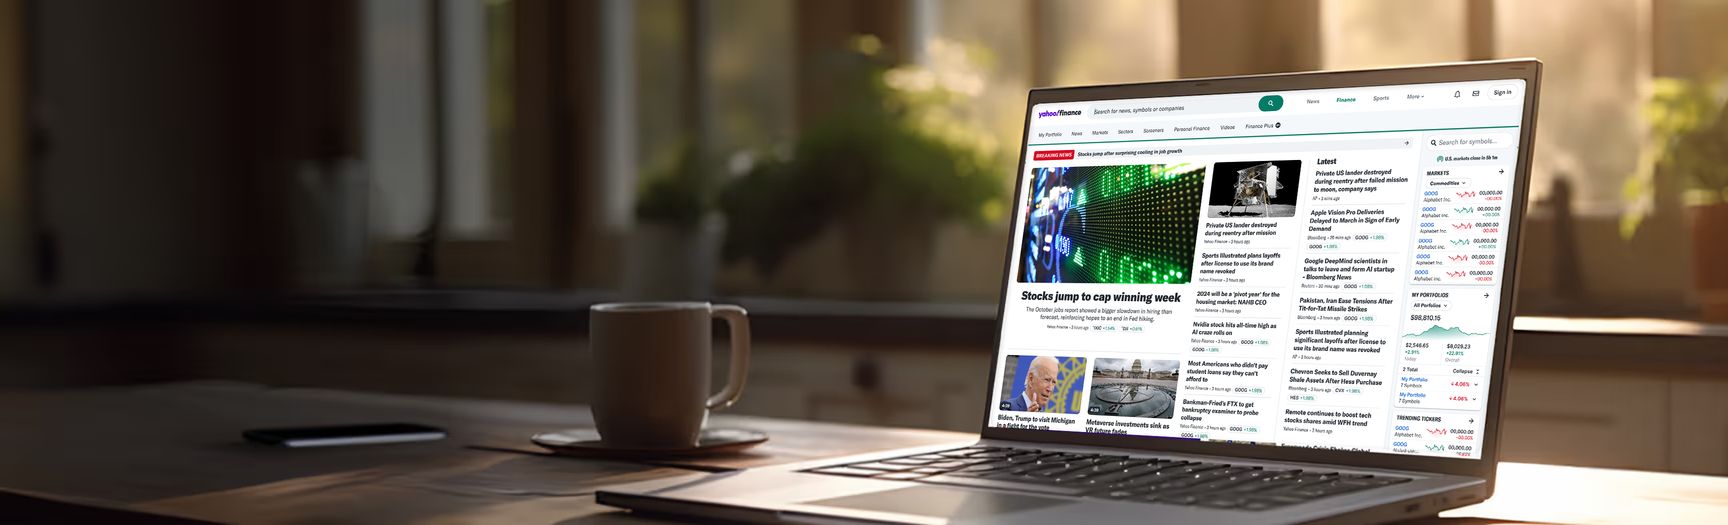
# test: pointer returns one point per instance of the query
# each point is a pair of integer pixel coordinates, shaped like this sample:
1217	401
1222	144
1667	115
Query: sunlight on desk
1556	494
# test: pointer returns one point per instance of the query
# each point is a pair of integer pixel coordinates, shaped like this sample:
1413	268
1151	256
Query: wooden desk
174	450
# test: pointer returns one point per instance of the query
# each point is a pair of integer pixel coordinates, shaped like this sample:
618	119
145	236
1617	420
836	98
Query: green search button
1271	103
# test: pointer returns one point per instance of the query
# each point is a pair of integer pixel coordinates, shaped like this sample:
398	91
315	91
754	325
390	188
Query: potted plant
883	168
1689	147
677	235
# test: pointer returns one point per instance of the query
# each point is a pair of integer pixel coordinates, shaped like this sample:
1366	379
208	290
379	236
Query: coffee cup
651	369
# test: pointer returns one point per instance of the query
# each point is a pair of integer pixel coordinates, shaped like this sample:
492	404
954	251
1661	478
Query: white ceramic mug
651	366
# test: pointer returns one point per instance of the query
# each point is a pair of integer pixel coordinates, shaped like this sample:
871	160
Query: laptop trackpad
943	502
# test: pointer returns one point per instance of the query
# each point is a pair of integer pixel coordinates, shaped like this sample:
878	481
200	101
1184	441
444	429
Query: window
1598	56
1126	41
1356	34
742	83
437	118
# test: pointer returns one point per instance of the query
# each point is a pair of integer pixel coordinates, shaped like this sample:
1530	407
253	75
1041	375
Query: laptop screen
1315	268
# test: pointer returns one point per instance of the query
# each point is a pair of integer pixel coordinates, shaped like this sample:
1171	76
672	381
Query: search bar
1470	141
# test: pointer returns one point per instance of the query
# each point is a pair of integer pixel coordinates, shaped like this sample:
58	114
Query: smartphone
339	435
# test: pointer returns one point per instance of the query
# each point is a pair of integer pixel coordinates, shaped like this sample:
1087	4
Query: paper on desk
496	487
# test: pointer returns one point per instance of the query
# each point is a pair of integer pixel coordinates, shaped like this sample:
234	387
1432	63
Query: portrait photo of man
1039	384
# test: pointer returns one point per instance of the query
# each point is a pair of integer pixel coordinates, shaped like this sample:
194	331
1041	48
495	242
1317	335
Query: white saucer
586	442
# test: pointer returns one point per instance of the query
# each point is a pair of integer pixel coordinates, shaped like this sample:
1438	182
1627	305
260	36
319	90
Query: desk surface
174	450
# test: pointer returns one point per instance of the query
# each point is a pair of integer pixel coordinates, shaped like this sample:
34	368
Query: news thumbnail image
1134	387
1111	224
1043	383
1254	189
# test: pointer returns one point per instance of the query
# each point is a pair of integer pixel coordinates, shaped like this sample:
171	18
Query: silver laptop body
1381	357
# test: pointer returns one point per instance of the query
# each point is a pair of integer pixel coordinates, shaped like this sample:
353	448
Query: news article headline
1059	297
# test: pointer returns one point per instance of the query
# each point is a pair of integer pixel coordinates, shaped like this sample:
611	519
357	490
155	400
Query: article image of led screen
1132	224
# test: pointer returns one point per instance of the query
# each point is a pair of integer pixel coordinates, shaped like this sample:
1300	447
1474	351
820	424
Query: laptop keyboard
1125	478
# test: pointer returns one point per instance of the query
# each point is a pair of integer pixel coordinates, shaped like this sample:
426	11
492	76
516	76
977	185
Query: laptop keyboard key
1065	469
1193	469
1142	479
1118	476
1255	475
1287	475
1262	486
1198	479
1119	465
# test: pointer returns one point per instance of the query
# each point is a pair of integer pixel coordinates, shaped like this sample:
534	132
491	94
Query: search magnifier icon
1433	143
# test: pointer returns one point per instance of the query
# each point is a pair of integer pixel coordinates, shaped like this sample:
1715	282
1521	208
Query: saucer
585	442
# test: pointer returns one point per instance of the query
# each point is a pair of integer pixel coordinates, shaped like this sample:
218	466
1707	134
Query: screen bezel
1528	70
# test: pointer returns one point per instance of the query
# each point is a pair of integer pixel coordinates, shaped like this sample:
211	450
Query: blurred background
424	195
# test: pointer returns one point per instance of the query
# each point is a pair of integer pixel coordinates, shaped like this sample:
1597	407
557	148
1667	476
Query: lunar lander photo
1256	185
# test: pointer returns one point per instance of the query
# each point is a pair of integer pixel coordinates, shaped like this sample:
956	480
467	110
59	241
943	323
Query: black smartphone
344	435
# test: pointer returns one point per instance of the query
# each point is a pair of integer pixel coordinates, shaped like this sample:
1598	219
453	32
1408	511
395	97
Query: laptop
1262	299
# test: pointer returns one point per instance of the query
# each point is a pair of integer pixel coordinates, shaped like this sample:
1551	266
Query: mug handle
737	322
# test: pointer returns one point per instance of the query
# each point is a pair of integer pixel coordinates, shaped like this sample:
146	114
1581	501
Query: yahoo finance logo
1059	113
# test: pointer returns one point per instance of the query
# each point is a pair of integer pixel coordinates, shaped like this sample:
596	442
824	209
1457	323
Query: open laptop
1263	299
